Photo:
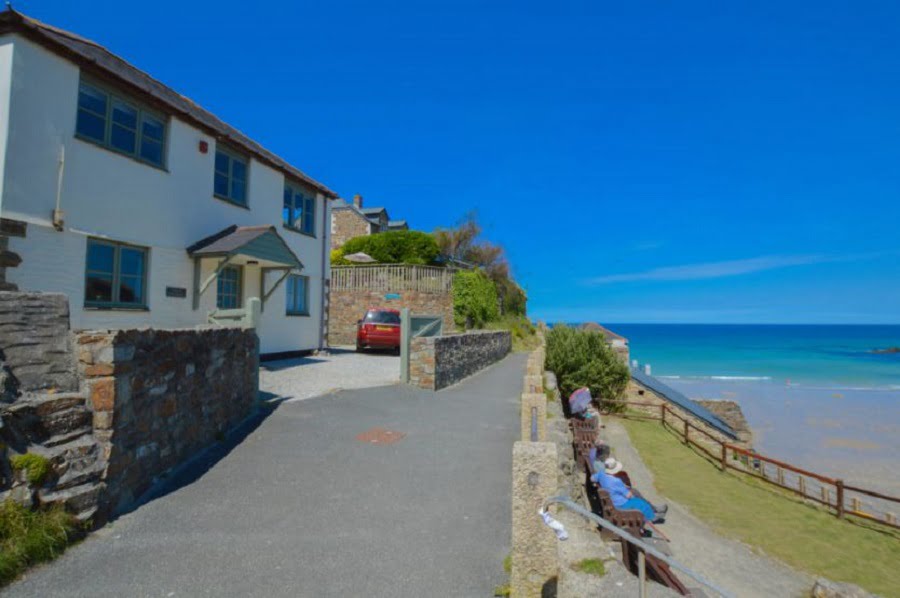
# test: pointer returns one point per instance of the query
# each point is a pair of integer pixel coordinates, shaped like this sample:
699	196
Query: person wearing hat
623	497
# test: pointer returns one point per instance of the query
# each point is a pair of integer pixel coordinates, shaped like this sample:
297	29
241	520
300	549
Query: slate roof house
141	206
351	219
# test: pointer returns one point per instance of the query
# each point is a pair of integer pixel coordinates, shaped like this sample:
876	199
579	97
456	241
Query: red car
379	329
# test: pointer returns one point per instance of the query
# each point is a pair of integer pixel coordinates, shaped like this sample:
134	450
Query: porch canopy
243	245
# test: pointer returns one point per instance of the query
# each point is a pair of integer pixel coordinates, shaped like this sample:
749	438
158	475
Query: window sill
111	150
230	201
296	315
297	230
116	307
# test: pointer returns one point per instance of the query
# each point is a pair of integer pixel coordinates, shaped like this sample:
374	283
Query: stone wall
160	396
35	347
9	259
346	224
345	307
438	361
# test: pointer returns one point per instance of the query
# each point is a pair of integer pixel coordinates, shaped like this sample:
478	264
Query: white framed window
230	179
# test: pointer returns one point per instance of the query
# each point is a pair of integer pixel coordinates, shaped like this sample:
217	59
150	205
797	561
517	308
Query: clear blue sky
640	161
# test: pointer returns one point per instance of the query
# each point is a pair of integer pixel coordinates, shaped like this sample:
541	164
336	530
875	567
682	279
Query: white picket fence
392	278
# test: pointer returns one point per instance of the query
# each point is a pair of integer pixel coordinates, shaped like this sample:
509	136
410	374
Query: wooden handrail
840	488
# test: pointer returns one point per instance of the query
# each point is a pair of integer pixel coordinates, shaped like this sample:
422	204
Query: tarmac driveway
308	505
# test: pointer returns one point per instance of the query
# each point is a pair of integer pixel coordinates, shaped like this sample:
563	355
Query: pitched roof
609	334
372	211
397	223
95	58
262	242
682	401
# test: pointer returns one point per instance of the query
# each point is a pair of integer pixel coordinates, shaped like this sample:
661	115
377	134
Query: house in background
352	219
141	206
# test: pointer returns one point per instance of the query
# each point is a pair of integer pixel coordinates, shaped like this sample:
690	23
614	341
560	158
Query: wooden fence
392	278
829	492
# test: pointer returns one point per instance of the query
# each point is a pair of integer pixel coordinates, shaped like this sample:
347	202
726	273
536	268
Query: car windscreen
382	317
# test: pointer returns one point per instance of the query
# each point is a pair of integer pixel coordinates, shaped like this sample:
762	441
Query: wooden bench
632	521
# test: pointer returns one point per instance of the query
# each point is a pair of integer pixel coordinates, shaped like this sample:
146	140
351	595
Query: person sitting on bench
623	498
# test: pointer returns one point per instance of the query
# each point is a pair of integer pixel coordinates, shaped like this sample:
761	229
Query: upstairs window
230	181
116	275
229	288
297	295
119	124
299	212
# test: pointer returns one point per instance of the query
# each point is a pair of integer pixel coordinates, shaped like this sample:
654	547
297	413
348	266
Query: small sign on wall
392	296
178	292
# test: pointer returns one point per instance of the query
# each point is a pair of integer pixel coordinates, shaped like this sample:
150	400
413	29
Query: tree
392	247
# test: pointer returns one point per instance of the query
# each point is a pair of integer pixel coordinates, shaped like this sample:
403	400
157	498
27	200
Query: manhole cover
380	436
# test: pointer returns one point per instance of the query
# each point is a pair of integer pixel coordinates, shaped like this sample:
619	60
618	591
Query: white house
144	208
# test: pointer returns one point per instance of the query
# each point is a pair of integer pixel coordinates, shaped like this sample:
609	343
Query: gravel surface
730	564
340	369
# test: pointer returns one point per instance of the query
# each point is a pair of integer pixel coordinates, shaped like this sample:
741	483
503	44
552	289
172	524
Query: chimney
357	200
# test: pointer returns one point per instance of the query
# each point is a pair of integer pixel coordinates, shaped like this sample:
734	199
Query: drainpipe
58	215
326	229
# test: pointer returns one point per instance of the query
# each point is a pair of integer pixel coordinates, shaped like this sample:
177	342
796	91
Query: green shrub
512	298
28	537
392	247
582	358
36	467
524	334
474	299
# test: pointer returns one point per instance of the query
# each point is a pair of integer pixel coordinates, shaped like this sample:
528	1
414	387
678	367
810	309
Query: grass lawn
29	537
764	517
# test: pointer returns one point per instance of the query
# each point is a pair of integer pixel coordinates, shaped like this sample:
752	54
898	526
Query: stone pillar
534	553
534	383
539	402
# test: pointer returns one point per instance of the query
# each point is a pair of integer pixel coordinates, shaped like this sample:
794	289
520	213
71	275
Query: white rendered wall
6	58
107	195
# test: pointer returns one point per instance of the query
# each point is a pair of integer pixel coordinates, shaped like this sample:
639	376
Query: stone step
40	418
43	404
75	462
82	501
68	437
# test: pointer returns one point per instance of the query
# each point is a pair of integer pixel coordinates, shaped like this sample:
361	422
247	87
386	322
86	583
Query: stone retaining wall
160	396
35	347
438	361
345	307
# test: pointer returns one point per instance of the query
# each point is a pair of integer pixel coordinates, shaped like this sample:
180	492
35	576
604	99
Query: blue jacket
618	491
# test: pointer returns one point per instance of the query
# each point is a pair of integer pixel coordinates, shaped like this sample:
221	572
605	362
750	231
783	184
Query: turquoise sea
832	356
816	396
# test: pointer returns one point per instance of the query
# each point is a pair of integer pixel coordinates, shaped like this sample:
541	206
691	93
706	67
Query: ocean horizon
819	355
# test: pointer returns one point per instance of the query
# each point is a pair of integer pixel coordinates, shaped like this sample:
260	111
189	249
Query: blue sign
391	296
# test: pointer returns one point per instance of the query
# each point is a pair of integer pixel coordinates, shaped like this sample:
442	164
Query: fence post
802	485
839	486
780	477
662	413
686	432
826	497
724	456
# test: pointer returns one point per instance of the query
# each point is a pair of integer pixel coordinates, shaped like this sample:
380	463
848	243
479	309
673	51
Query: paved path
340	369
730	564
301	508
